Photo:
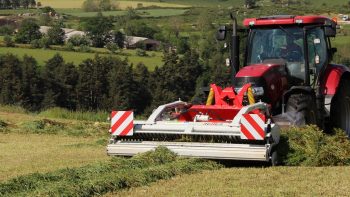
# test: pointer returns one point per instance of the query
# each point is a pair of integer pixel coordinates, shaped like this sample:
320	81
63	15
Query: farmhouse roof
68	32
131	40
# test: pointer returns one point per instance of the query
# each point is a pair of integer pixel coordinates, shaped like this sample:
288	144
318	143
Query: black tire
340	107
301	110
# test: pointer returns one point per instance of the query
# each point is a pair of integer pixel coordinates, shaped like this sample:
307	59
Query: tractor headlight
257	91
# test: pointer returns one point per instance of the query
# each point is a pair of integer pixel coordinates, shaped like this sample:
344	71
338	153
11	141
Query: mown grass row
310	146
99	116
100	178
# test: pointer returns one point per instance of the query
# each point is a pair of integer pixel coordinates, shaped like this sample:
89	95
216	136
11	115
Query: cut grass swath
100	178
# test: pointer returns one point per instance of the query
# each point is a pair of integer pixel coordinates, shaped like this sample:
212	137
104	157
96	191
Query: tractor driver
291	52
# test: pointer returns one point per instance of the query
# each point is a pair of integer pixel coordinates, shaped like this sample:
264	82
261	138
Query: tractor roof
286	20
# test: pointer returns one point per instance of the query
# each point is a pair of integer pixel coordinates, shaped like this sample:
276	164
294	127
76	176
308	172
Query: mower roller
287	80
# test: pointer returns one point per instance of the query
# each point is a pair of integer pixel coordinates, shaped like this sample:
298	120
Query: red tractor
287	80
287	62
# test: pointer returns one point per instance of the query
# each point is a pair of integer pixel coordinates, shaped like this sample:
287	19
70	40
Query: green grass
144	13
103	177
243	181
121	4
17	11
28	153
42	56
74	115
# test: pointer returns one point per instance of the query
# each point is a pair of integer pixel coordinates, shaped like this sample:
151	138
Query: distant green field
16	11
201	3
121	4
42	56
144	13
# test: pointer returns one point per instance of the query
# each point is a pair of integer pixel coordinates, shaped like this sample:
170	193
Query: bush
35	44
43	42
84	48
141	53
8	41
69	47
309	146
7	30
112	47
78	40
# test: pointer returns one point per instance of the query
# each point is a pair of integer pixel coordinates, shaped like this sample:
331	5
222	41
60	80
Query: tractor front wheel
301	110
340	107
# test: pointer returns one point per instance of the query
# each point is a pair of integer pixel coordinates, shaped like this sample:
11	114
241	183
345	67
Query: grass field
73	163
121	4
28	153
277	181
42	56
26	148
143	13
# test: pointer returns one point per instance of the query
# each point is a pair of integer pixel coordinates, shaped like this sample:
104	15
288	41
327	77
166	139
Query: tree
119	39
250	3
32	3
90	6
78	40
139	28
10	77
112	47
131	14
93	85
122	87
99	30
105	5
144	97
31	86
8	41
60	82
56	35
47	10
28	31
25	3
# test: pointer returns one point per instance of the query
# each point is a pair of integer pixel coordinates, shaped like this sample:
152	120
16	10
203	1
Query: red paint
272	76
285	21
255	70
246	133
127	129
332	77
120	120
255	125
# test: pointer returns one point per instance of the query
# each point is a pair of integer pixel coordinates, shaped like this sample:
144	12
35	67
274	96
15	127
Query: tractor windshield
280	44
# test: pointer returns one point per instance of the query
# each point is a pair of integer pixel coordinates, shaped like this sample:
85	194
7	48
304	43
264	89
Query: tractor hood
268	80
256	70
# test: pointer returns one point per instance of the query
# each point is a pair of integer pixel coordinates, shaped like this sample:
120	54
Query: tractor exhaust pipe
234	46
234	49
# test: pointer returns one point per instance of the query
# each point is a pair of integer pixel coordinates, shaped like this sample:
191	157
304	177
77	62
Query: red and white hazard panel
253	127
122	123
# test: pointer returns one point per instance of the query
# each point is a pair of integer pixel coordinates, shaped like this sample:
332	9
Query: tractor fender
297	90
333	75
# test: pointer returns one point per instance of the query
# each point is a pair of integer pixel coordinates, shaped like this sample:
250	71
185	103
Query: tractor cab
301	43
283	53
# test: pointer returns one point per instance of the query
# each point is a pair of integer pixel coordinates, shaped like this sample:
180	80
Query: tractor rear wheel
301	110
340	107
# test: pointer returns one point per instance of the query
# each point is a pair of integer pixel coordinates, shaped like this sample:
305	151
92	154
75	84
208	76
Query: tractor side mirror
330	28
221	34
330	32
